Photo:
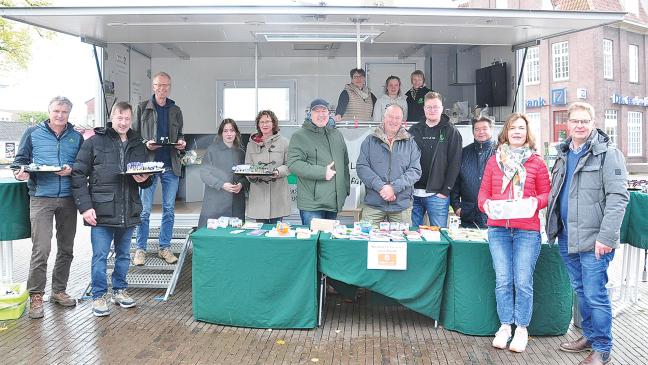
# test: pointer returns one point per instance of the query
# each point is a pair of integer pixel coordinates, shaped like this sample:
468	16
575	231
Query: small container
454	223
384	226
365	227
394	226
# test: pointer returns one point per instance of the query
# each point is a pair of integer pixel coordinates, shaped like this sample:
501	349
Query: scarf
511	162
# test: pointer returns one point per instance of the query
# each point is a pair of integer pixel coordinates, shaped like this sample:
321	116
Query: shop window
560	53
560	125
608	59
611	125
635	133
534	126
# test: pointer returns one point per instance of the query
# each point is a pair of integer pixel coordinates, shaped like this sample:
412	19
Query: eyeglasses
429	107
358	77
265	122
162	85
580	121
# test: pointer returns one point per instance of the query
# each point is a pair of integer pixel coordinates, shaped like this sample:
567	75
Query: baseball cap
319	102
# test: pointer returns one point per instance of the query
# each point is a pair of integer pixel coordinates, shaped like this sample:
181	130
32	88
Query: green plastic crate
13	306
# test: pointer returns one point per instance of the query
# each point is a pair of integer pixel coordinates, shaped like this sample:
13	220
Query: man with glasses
463	196
586	207
356	101
159	122
440	144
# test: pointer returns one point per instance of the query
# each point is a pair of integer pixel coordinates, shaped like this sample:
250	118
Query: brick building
606	67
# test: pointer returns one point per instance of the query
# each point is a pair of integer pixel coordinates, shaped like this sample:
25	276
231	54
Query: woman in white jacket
393	95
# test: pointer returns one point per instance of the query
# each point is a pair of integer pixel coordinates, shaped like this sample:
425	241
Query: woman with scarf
269	198
514	172
356	101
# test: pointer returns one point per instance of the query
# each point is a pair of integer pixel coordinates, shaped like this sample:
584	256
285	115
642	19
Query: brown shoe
579	345
167	255
597	358
36	306
63	299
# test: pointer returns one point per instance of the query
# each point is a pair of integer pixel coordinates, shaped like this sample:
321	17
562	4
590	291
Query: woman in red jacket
514	172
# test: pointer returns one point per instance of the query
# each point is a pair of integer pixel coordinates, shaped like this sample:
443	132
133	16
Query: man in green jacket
318	156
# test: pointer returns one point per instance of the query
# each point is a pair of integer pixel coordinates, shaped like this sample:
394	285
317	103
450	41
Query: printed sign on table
387	255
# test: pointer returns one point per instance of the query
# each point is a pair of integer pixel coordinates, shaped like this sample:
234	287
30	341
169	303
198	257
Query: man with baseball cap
318	156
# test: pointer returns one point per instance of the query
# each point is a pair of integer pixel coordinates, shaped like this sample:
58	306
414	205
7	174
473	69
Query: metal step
148	280
153	245
179	232
150	263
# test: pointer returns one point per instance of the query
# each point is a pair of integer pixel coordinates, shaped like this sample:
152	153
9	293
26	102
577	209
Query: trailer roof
208	31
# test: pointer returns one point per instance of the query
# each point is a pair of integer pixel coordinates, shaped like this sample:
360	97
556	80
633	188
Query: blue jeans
515	253
436	207
308	215
169	191
101	238
588	278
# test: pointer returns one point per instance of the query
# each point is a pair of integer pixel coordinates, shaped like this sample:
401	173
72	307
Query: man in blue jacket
53	142
389	165
463	196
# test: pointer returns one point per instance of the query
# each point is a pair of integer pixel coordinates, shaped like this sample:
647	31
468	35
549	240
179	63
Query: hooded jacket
310	150
598	195
536	185
40	145
445	154
98	181
380	164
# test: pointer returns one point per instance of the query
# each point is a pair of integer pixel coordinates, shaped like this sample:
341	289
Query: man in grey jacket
159	122
389	165
586	207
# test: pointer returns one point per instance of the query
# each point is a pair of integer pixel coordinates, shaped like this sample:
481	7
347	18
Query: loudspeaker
491	85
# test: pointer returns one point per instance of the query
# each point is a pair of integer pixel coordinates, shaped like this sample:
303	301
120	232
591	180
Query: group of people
92	180
406	173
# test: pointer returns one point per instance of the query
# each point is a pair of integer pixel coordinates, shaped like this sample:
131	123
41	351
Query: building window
608	60
533	66
237	98
560	53
633	63
534	126
634	134
611	125
501	4
560	125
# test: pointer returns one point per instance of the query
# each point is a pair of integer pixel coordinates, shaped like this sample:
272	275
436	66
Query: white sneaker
502	336
520	340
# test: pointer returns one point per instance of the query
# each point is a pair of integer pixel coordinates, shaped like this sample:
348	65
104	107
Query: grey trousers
42	212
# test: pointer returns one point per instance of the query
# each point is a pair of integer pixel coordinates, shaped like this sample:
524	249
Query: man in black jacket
109	202
463	197
440	144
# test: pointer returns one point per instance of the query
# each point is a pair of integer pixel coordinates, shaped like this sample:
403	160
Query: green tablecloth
469	293
418	288
634	230
248	281
14	210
